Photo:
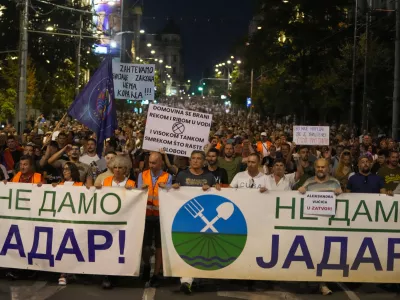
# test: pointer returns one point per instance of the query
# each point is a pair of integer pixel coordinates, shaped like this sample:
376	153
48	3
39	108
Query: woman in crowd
70	177
344	169
121	167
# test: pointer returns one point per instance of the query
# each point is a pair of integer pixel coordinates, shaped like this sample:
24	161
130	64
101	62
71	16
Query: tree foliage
9	75
52	57
302	61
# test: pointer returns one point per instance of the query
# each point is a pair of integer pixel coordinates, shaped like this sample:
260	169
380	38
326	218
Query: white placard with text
320	203
311	135
177	131
133	82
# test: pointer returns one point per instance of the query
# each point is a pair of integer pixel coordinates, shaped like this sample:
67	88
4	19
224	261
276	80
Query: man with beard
322	182
364	181
391	172
220	174
229	162
306	165
91	155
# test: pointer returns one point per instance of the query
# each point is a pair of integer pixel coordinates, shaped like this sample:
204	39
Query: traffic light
200	88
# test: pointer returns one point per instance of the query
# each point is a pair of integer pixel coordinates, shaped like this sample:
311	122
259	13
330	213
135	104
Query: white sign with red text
311	135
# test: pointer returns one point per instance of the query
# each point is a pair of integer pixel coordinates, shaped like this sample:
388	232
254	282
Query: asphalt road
88	288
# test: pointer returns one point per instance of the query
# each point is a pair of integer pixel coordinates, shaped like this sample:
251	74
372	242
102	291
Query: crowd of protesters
243	152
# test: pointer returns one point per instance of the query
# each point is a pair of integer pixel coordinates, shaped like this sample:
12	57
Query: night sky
205	44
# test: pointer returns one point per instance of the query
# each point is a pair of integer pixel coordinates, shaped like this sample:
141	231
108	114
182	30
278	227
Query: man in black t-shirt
195	176
50	173
220	174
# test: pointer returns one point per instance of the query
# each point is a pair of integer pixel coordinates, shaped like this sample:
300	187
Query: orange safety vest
261	145
152	198
108	182
36	178
75	183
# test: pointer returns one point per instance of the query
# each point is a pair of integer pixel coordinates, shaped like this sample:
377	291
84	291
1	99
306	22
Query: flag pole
55	129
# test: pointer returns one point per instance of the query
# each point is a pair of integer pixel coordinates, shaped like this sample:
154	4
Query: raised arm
58	154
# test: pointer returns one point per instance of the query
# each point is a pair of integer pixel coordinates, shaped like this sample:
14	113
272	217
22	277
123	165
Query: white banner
133	82
177	131
69	229
243	234
311	135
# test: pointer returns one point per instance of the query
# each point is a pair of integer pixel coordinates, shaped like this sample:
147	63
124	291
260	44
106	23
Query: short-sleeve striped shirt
330	185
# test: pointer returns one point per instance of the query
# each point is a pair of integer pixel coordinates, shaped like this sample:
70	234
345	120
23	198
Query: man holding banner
252	178
322	182
195	176
151	180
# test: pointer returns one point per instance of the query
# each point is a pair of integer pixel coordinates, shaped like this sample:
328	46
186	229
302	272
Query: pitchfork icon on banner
224	211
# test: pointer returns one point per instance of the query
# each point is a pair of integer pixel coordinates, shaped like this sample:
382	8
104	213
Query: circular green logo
209	232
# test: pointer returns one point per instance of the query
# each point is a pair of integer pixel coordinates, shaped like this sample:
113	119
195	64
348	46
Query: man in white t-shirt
252	178
90	155
278	180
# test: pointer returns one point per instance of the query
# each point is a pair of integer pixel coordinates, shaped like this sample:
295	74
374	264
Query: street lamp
216	70
153	52
160	61
148	45
141	31
189	81
259	27
232	57
239	62
229	62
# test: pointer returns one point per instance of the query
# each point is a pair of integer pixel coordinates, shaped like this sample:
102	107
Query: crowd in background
244	151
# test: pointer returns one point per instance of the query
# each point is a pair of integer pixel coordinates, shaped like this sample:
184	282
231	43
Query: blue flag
94	107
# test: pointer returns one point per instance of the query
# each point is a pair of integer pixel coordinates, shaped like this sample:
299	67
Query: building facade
165	46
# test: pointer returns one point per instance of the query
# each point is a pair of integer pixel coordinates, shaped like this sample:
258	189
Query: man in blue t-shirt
364	181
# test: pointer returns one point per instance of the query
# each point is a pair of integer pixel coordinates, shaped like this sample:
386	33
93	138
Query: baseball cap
263	134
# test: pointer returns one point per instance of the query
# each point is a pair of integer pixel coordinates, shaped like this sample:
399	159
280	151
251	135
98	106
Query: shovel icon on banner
225	211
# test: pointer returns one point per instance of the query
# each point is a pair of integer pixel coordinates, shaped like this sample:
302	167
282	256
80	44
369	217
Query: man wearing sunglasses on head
252	178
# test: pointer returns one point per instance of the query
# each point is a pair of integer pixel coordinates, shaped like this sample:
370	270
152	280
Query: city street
212	290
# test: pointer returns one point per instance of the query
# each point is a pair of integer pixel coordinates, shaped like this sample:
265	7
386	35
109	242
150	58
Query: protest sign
311	135
175	130
320	203
70	229
220	234
134	82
